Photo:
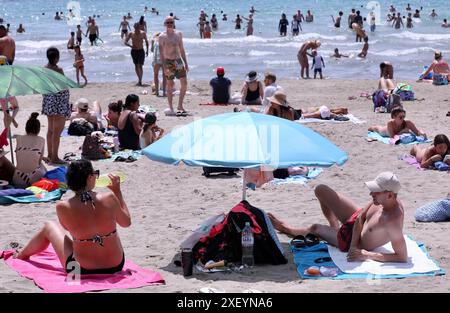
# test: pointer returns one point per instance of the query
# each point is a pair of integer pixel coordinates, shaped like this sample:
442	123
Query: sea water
408	50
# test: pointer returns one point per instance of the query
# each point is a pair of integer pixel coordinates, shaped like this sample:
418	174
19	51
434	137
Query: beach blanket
299	179
47	273
387	140
333	262
351	118
412	161
43	197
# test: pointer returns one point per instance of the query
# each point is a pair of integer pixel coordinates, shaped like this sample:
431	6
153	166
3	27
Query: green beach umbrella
17	80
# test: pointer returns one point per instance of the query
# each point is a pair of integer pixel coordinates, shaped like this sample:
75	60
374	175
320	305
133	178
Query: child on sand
79	65
317	64
439	151
150	131
397	126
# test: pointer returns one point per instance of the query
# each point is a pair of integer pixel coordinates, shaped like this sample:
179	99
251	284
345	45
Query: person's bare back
8	48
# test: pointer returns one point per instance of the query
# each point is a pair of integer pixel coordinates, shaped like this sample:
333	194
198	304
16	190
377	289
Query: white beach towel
418	262
351	117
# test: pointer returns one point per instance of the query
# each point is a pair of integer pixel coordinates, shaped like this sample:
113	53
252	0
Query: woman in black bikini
253	90
86	237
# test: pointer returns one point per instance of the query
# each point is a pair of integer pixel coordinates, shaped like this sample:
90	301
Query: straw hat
279	97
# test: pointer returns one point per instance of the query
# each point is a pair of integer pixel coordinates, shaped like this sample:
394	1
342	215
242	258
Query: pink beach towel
412	161
46	271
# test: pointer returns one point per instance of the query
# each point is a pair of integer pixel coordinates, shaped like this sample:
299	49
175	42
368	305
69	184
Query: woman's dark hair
150	119
77	174
116	106
33	126
396	111
130	100
441	138
52	55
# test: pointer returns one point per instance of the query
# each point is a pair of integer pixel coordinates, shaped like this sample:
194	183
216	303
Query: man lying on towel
362	230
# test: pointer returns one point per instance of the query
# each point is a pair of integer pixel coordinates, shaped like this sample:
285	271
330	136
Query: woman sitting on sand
440	69
114	111
280	107
439	151
150	131
90	218
130	124
253	90
29	152
397	126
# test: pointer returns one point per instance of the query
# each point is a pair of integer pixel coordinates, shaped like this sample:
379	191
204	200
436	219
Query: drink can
187	262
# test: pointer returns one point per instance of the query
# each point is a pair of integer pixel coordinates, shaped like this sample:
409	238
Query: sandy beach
168	202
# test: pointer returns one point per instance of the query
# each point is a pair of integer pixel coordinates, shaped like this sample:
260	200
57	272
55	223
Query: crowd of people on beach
94	242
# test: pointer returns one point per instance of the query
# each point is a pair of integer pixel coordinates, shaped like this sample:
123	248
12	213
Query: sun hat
386	181
82	103
220	70
279	97
251	77
325	112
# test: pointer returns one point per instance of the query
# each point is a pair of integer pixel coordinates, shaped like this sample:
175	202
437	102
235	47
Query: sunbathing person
439	151
362	229
280	107
29	152
324	112
90	219
83	112
397	126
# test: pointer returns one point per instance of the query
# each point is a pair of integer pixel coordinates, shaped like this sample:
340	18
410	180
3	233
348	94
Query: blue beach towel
45	197
319	256
387	140
299	179
437	211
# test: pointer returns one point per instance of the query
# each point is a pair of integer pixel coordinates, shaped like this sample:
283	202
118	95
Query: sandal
120	159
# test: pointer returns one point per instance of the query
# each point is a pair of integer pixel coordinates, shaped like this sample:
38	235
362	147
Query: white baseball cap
386	181
325	112
82	103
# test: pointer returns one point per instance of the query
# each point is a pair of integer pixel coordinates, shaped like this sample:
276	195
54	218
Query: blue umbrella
245	140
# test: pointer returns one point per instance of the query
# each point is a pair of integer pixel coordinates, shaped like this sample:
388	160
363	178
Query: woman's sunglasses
96	173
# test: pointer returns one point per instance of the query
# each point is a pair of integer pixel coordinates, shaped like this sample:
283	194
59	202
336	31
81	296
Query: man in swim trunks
137	50
173	58
362	229
7	45
93	32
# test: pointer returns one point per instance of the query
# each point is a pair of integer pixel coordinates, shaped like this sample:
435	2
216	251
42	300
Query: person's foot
46	159
58	161
280	225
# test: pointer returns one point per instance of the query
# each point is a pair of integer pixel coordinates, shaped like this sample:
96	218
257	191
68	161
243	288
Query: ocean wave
421	37
43	44
257	53
395	53
280	62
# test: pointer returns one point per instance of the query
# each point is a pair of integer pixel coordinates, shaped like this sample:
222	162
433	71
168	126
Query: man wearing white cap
362	229
82	105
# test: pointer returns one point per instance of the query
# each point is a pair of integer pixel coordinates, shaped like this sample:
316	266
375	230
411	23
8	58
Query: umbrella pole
244	189
11	144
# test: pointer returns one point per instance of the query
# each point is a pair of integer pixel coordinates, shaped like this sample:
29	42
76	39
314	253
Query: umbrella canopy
16	80
245	140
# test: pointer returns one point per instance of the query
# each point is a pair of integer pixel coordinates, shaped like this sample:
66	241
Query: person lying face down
357	230
439	151
397	125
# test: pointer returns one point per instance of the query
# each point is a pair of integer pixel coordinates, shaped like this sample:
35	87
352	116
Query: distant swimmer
175	18
143	24
417	14
138	37
224	17
409	21
302	56
214	23
392	9
201	27
300	16
124	27
365	49
89	21
390	18
408	7
296	26
203	15
207	31
20	30
337	21
359	19
249	24
338	55
360	33
79	35
238	22
129	17
433	14
351	18
309	17
282	25
373	22
445	24
57	17
398	22
253	10
155	11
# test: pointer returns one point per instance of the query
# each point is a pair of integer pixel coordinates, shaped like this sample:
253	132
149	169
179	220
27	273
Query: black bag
224	239
80	127
210	170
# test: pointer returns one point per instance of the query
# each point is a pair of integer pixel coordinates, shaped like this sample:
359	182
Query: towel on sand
299	179
412	161
387	140
46	271
319	256
351	118
44	197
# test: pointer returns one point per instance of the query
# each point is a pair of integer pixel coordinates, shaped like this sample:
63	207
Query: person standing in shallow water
249	24
282	26
137	50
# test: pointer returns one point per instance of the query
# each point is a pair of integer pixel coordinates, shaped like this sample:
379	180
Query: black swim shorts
138	56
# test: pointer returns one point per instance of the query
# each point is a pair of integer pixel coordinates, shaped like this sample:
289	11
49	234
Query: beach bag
223	242
92	149
207	171
405	92
379	99
80	127
440	80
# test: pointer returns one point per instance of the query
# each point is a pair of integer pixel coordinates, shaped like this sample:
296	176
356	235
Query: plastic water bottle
116	144
247	246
